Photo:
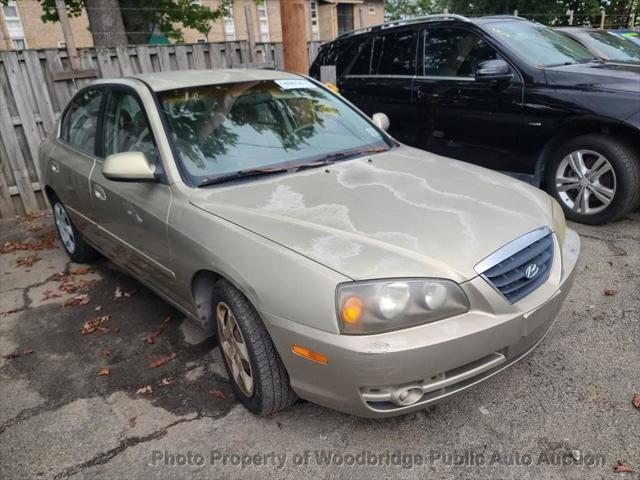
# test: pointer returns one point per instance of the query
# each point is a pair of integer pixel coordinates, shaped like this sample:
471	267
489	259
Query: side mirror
129	167
494	71
381	120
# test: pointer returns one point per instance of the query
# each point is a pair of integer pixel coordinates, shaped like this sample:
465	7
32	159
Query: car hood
599	76
402	213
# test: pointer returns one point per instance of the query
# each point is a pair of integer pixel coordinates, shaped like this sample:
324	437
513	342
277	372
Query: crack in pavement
104	457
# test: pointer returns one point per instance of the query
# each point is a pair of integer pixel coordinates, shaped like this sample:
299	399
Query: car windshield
539	45
611	46
261	126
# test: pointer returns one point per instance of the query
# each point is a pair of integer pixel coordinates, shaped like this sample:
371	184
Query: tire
238	321
74	244
597	195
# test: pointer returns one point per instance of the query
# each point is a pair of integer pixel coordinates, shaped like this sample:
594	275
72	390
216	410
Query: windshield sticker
295	84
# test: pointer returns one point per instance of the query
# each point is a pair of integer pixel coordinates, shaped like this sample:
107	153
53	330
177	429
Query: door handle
99	192
55	168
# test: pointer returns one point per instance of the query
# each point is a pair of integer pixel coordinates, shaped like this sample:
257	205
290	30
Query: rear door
381	79
73	160
132	215
476	121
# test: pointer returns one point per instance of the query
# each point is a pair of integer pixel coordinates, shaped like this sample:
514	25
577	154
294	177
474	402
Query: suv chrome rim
64	228
234	348
586	182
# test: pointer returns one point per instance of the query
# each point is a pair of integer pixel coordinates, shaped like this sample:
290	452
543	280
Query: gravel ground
564	412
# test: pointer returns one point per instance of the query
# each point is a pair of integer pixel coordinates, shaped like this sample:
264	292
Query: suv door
132	215
476	121
74	157
381	79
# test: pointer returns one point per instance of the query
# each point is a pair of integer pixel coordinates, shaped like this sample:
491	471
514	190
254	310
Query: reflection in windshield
226	128
540	45
611	46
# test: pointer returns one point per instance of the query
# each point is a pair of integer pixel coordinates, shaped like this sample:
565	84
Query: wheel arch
582	127
202	284
49	193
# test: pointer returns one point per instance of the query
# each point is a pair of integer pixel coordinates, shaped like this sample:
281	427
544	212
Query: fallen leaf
117	293
81	299
28	351
29	217
622	468
218	394
106	352
636	401
27	261
47	294
132	422
145	390
98	308
130	293
162	361
167	381
91	326
151	338
609	292
80	271
45	243
104	371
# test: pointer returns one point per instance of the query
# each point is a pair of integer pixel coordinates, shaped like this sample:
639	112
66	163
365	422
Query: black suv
507	94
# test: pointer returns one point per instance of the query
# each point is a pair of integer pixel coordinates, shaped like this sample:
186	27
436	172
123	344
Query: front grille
523	271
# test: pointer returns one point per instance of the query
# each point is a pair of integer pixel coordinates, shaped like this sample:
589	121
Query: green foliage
543	11
142	17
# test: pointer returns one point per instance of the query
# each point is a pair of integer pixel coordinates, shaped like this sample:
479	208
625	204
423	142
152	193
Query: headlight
376	306
559	223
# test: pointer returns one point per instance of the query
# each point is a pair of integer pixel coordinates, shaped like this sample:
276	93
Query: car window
453	52
537	44
80	121
362	63
611	46
226	128
395	53
126	128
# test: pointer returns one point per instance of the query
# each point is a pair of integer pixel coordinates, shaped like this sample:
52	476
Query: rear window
394	53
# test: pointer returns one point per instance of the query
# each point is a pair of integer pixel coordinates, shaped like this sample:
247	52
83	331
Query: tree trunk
106	23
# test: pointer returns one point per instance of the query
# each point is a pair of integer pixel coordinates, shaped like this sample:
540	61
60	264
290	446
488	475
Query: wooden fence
35	85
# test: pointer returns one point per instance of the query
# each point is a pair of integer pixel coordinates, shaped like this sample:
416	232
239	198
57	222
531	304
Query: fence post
602	15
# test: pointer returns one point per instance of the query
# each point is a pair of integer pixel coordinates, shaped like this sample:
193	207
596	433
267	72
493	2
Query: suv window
395	53
126	128
80	121
362	63
453	52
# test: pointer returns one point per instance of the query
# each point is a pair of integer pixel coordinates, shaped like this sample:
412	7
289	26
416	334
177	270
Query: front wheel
595	178
257	375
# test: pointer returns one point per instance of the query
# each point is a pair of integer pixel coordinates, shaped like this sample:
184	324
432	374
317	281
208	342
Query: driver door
132	215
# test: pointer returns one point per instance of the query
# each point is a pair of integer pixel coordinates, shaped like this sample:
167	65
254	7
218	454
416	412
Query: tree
113	20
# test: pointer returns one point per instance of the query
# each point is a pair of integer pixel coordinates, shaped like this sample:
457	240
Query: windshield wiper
338	156
253	172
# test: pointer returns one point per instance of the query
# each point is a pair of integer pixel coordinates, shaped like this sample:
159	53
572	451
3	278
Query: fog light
406	396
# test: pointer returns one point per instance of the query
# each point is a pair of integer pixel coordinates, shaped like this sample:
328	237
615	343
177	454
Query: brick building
21	26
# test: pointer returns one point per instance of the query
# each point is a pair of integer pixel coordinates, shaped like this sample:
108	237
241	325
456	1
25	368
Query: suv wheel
596	179
78	250
257	375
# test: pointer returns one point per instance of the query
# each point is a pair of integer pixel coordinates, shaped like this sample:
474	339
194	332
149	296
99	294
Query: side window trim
63	115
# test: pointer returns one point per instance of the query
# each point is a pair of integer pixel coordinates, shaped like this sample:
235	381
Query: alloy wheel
234	348
586	182
65	229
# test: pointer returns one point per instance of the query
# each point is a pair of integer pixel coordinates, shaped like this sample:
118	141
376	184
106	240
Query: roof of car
577	29
162	81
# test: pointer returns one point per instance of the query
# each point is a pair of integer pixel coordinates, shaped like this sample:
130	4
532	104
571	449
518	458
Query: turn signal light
352	310
311	355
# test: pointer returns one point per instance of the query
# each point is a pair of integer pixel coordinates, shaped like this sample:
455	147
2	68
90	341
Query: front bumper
366	374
